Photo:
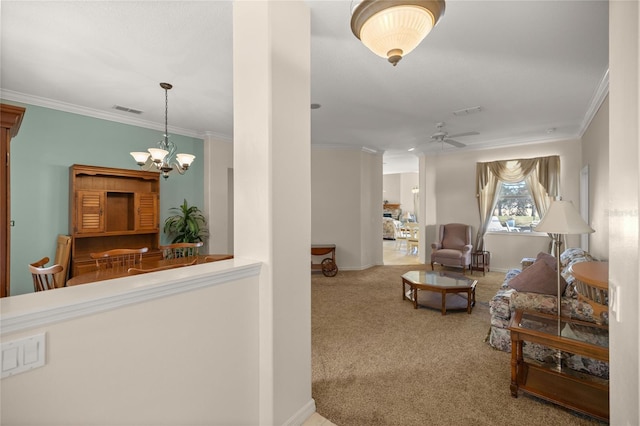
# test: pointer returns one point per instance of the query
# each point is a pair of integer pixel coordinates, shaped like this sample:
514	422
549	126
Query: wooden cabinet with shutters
89	212
112	208
146	206
10	118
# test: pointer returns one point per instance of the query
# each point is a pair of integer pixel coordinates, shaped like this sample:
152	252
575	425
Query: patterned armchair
453	247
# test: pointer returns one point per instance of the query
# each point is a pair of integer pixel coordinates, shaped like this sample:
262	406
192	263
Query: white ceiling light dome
392	29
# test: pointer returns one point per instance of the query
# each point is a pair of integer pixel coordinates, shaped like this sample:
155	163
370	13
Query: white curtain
541	175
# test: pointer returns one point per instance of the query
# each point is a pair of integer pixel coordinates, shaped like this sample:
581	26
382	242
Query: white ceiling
530	65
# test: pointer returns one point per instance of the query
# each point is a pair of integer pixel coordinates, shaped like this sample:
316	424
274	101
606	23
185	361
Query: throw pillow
538	278
548	259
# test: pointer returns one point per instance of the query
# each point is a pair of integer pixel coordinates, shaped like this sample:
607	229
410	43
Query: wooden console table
571	389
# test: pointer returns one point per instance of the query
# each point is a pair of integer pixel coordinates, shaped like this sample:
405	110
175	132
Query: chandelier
162	157
393	28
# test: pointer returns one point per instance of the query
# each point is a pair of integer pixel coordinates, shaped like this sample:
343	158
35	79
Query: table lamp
562	218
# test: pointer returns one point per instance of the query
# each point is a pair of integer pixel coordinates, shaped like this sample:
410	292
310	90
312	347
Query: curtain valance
541	175
512	171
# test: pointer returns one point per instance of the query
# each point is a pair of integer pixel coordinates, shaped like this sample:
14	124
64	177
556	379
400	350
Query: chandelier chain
166	113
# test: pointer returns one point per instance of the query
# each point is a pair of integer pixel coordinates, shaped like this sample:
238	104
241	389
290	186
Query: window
515	210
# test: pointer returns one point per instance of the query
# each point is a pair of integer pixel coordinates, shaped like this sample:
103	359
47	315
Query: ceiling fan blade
454	143
463	134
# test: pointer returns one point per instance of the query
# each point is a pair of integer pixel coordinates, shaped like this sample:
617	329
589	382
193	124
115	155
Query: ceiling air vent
127	109
467	111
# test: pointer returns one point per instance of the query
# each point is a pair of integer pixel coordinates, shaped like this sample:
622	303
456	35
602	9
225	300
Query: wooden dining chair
44	278
118	258
138	271
63	256
400	234
40	263
176	250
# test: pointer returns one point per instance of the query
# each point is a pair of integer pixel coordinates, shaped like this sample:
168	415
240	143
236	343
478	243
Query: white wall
622	210
391	188
595	154
428	205
397	189
189	357
218	197
408	182
370	210
346	205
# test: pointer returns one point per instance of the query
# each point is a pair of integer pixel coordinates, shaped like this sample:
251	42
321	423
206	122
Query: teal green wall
48	142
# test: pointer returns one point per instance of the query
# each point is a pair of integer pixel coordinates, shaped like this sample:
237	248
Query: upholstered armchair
453	246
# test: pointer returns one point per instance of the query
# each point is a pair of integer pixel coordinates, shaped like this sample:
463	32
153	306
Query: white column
428	207
624	163
271	61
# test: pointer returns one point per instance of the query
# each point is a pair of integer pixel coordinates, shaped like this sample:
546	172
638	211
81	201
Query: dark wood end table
570	389
480	261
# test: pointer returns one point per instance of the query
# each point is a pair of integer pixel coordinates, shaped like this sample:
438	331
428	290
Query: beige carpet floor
378	361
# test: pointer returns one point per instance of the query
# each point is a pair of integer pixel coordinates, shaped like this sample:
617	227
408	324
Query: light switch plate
23	354
614	301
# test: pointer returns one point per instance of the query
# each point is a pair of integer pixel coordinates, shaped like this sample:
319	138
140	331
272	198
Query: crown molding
208	135
327	146
598	98
94	113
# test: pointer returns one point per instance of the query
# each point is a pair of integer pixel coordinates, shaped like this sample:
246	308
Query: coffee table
455	291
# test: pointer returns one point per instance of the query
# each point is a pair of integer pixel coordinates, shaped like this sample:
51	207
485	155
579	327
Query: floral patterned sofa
504	304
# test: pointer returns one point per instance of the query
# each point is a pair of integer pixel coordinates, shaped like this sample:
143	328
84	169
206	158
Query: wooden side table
480	261
579	392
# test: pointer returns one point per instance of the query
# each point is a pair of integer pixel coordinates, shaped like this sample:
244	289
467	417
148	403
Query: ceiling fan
442	136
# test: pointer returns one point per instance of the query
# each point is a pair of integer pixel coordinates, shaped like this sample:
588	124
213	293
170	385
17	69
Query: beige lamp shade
563	218
392	29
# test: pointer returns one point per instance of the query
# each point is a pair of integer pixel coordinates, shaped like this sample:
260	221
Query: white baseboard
302	415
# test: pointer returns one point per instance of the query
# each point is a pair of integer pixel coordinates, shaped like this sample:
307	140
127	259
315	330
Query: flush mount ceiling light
393	28
162	157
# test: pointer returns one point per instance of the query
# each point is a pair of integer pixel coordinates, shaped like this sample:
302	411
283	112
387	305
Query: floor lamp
561	218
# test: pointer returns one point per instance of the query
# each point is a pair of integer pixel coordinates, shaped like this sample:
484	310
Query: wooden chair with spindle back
40	263
176	250
119	258
44	278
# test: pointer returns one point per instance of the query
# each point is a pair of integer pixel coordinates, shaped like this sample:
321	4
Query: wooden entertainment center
112	208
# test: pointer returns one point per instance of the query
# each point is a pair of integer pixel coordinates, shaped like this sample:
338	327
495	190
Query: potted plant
187	225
